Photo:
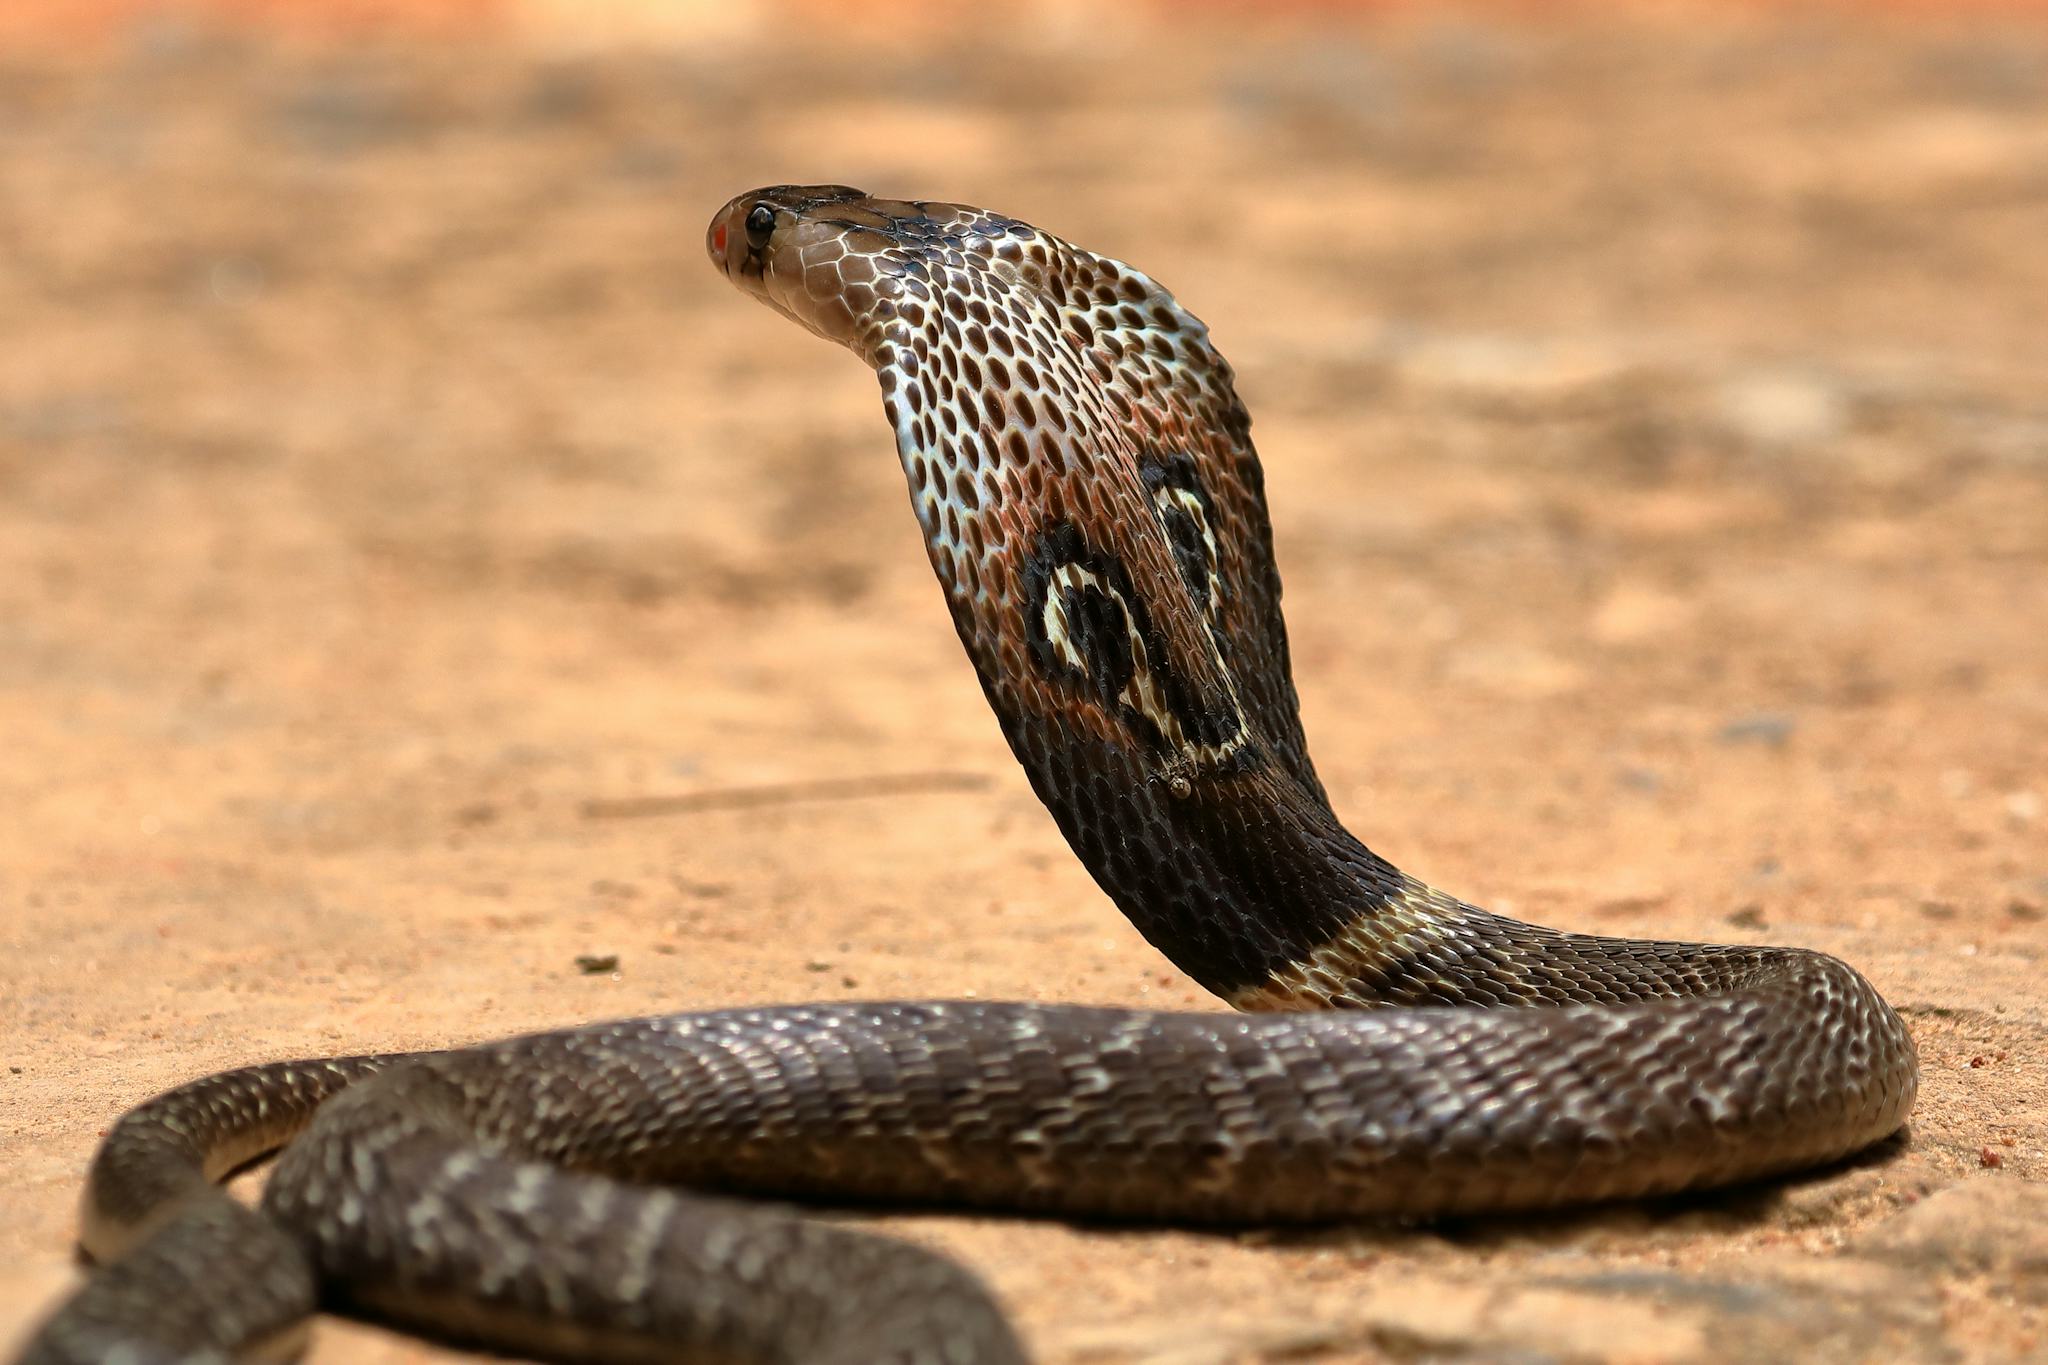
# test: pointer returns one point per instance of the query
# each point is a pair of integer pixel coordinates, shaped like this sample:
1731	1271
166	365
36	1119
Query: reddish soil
1658	449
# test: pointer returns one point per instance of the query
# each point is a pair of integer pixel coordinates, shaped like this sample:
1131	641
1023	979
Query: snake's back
1083	472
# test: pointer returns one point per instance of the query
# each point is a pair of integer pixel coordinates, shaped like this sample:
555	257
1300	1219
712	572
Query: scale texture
1084	476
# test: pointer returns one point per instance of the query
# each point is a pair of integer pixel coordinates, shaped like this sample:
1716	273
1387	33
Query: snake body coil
1084	476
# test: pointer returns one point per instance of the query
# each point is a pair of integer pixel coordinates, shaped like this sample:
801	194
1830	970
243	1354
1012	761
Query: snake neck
1094	509
1239	878
1193	809
1092	504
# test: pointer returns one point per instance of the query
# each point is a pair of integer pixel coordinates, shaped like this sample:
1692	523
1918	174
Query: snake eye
760	225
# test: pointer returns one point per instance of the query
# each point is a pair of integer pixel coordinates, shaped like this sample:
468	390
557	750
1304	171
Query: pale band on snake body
1084	476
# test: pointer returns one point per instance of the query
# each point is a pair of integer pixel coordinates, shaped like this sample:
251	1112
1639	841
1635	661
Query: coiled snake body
1084	476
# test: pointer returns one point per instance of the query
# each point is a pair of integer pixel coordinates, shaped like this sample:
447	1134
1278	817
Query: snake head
838	260
778	245
810	252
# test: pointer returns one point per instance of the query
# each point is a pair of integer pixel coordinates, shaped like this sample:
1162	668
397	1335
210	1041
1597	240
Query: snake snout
727	241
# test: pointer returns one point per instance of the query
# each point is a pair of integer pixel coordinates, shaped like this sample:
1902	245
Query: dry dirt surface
433	605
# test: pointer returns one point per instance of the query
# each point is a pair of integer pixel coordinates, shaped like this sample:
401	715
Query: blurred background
434	605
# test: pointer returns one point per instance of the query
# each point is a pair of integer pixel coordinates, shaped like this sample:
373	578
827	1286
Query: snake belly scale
1084	476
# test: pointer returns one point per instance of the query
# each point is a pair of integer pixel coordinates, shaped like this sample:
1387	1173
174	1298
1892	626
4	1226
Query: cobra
1084	476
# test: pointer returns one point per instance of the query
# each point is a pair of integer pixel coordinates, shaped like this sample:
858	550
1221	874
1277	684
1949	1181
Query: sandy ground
1659	458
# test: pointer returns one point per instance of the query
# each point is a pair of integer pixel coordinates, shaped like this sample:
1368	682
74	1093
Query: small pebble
1762	727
